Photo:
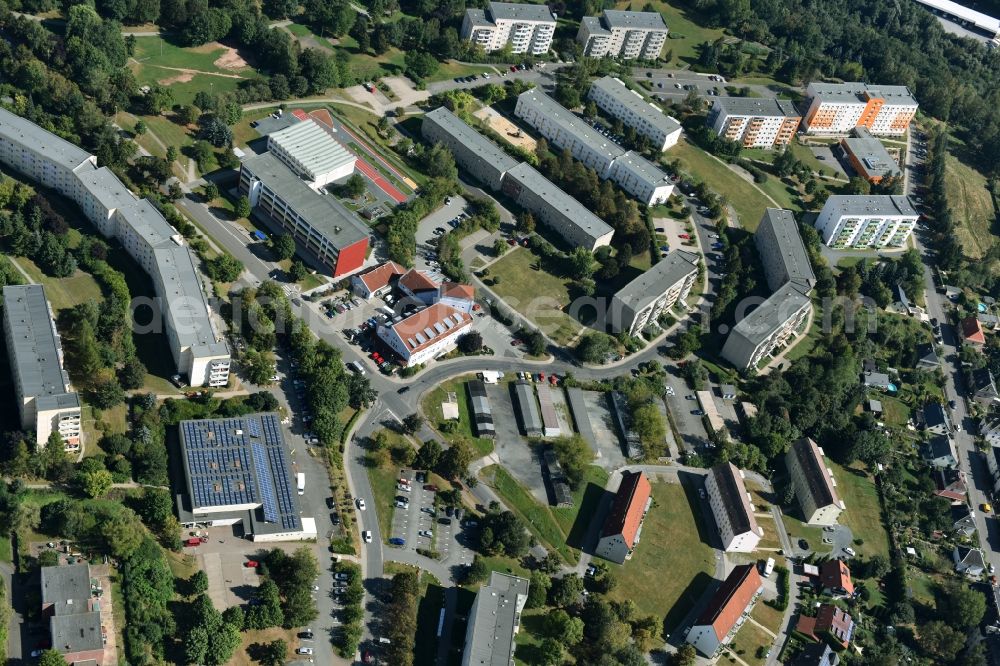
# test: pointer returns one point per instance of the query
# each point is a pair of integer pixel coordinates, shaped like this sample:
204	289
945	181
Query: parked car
366	536
426	533
849	551
396	541
361	504
304	650
251	564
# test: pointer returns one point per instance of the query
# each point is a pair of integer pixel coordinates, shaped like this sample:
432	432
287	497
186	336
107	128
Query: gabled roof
950	483
379	277
415	281
934	415
733	493
962	519
821	484
457	290
926	356
969	557
628	508
430	325
939	447
731	600
836	575
982	382
972	331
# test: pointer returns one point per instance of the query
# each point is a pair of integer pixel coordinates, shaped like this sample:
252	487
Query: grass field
6	553
673	564
537	295
538	518
863	514
685	34
746	199
971	208
63	293
749	639
768	616
431	408
586	499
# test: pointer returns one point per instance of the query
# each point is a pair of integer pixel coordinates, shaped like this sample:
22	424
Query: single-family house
968	561
936	419
831	623
983	387
927	358
963	520
949	483
816	654
875	407
972	332
989	430
835	579
939	451
988	319
877	380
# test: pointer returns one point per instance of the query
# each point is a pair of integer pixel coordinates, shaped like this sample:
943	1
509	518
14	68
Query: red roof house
623	525
835	578
376	280
723	617
972	331
831	623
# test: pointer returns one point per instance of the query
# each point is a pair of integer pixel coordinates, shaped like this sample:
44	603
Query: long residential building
813	482
613	97
733	511
623	526
46	401
642	301
868	156
198	350
319	224
426	334
837	108
494	621
525	28
727	610
623	34
865	221
476	154
754	123
632	172
780	318
967	17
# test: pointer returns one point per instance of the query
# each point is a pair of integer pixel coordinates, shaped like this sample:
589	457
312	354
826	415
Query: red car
251	564
684	236
431	487
553	379
541	376
513	68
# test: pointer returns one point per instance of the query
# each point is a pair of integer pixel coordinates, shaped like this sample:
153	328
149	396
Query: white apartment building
866	221
198	350
837	108
623	34
813	482
46	401
309	150
733	511
426	334
629	170
526	28
613	97
754	123
653	292
776	322
473	152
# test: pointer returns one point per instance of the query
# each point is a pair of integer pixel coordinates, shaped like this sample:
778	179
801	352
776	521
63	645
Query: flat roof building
527	409
654	292
482	414
494	621
775	322
525	28
782	251
623	34
623	526
837	108
613	97
864	221
727	610
754	123
73	614
868	156
320	225
476	154
813	483
966	16
426	334
237	470
46	401
309	150
733	511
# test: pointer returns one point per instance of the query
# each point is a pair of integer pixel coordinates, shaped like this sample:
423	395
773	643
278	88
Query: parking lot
520	459
420	526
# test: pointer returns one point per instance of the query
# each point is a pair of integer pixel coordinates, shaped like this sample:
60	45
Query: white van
768	567
301	483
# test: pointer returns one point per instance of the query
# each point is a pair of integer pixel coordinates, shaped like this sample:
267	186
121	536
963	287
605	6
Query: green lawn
156	51
749	639
537	295
6	553
63	293
746	199
383	480
971	207
685	34
586	499
799	530
538	517
768	616
863	514
452	69
431	408
673	564
530	637
894	411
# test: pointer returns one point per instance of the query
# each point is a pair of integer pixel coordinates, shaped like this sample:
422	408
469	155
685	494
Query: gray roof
104	185
733	493
324	214
870	205
971	557
926	356
570	123
66	588
753	106
554	196
187	309
578	406
855	92
877	379
934	415
469	138
28	133
643	169
477	17
982	381
594	25
871	153
779	230
77	633
239	462
660	277
312	147
820	484
616	18
940	447
494	617
482	415
528	407
34	347
516	11
636	103
769	315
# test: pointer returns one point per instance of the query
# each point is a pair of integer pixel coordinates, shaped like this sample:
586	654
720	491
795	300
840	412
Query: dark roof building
815	487
494	621
527	409
835	578
984	388
782	251
73	612
831	623
727	496
939	451
482	415
817	654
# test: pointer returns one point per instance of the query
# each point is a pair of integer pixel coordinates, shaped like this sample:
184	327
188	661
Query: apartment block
623	34
642	301
494	620
199	351
733	511
814	485
754	123
868	156
613	97
629	170
555	209
866	221
837	108
727	610
319	224
72	608
774	324
623	526
525	28
46	401
474	153
782	251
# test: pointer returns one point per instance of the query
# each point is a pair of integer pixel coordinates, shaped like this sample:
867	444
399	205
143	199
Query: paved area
513	450
102	573
562	409
694	438
609	446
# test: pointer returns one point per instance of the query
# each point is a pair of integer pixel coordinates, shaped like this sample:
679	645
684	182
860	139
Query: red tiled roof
950	484
456	290
835	575
430	325
628	508
731	600
972	331
415	281
807	627
378	277
836	622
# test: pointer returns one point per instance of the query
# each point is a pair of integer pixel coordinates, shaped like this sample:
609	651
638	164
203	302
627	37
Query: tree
941	641
560	626
355	186
297	271
412	423
478	571
419	64
132	374
217	132
283	246
566	591
188	114
471	342
198	583
538	590
274	653
574	456
224	268
594	347
550	652
454	463
107	393
211	191
685	655
140	127
503	532
428	455
97	483
259	366
242	207
961	606
51	658
581	263
500	247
